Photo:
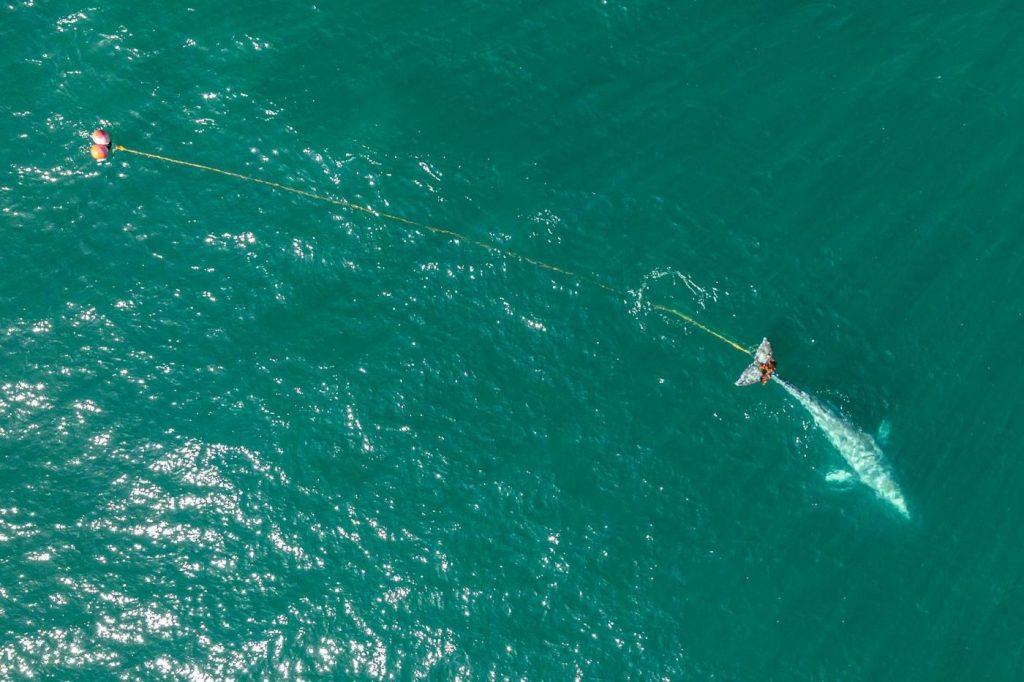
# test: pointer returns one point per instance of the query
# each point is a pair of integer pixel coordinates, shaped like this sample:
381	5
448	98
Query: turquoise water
248	435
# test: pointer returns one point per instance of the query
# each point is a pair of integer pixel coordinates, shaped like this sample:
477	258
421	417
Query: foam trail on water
859	449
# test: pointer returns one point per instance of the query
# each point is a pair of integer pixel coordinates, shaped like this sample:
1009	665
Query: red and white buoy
100	149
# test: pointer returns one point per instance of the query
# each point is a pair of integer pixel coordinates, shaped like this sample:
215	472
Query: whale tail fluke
761	369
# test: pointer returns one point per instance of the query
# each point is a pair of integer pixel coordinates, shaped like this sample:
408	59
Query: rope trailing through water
452	234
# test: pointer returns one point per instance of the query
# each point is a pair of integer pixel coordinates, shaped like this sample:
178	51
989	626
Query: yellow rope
437	230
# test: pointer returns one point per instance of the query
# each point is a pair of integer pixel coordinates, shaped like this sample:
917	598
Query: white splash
859	449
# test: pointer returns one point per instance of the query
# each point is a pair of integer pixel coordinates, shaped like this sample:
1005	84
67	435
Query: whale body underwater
859	449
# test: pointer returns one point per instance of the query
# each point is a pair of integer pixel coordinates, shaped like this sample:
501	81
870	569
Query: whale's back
859	449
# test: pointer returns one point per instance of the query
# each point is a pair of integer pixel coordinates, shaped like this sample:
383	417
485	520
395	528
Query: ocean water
247	435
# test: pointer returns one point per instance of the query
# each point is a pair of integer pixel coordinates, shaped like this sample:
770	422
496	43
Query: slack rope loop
451	234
